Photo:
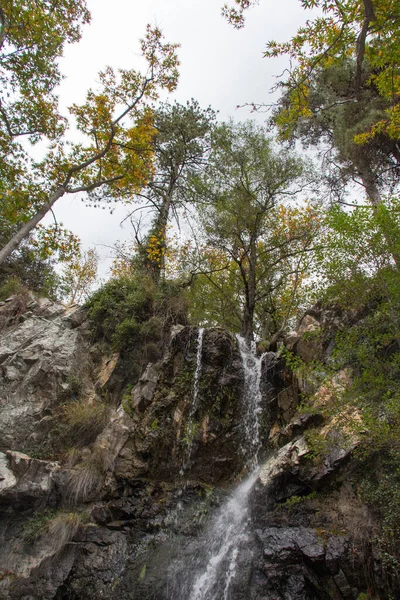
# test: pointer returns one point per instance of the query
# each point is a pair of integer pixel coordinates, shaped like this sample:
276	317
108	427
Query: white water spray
197	373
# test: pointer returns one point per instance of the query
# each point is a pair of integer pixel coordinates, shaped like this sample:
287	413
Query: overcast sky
220	66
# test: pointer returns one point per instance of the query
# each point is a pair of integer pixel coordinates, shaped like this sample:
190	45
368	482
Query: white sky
220	66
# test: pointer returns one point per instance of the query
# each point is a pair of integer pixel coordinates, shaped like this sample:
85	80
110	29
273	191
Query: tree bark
3	27
27	227
250	295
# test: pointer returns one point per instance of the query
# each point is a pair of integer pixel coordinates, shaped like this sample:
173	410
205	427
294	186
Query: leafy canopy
365	30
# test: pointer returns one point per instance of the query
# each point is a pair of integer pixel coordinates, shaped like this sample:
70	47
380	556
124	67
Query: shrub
9	287
122	300
131	308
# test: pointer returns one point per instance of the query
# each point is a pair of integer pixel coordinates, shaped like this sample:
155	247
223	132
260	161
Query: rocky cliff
106	491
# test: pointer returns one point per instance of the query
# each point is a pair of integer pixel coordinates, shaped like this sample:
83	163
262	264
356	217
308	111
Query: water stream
251	402
193	407
227	535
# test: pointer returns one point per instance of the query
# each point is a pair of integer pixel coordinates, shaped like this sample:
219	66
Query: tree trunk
371	188
159	229
248	323
27	227
250	295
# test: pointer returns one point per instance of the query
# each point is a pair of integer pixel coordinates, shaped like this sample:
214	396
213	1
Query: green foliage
155	425
191	430
381	489
335	123
359	253
9	287
295	500
126	401
113	159
27	267
181	144
130	311
120	305
250	264
360	272
363	31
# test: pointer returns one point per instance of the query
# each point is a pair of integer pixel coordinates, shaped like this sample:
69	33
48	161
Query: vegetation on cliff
260	233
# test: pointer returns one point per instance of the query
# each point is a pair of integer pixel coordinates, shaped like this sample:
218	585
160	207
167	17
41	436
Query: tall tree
115	159
337	114
255	240
365	32
181	144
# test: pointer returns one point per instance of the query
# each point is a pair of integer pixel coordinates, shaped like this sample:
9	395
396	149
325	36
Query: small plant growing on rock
294	500
57	527
63	528
88	476
83	420
37	524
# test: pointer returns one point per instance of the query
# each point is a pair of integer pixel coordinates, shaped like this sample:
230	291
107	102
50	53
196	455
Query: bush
128	309
9	287
120	303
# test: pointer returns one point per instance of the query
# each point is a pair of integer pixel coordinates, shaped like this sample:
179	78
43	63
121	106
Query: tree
366	31
114	162
32	38
336	116
181	144
254	242
79	276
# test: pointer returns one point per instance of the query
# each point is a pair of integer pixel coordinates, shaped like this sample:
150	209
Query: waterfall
215	568
197	372
226	534
193	407
251	401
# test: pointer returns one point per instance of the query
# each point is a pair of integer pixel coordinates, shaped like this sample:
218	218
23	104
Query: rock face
125	515
38	356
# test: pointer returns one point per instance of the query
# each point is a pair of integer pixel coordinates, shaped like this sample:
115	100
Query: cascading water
251	401
225	537
197	372
228	532
193	408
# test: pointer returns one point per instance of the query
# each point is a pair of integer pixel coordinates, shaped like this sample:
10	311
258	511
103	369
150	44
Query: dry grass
62	529
12	311
84	420
56	528
88	477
